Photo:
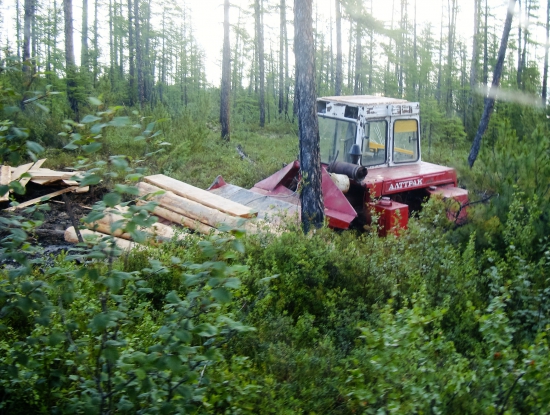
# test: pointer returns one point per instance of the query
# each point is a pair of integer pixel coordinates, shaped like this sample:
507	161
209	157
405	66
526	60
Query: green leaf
35	147
91	148
92	179
90	118
112	199
95	101
120	122
222	295
131	190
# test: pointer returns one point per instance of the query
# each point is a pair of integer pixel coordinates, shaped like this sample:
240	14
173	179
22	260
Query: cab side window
405	141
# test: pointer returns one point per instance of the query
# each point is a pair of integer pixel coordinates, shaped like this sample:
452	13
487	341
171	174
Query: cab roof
355	100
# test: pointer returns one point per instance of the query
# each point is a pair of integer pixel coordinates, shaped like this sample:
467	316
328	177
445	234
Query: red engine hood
384	181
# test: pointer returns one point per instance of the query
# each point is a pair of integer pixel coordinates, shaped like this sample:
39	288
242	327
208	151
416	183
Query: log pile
34	173
179	204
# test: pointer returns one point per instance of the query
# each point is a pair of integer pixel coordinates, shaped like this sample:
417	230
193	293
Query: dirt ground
50	235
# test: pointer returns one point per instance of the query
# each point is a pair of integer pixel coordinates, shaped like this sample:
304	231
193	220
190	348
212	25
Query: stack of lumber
110	224
192	207
34	173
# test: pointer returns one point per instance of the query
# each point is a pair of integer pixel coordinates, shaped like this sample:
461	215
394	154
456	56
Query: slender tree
545	70
70	67
490	99
84	56
29	11
226	75
338	77
258	12
139	57
282	30
311	197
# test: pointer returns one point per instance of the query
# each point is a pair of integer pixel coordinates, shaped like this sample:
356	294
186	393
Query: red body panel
393	216
455	211
384	181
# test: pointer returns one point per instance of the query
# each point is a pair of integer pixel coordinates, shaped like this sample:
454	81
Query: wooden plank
189	208
35	166
157	231
91	236
19	171
5	179
41	199
51	174
181	219
201	196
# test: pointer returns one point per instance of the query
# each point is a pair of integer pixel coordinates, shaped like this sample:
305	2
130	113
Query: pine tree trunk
27	35
84	63
96	45
131	68
226	76
281	54
485	47
261	62
545	71
139	58
311	197
338	79
70	69
520	68
475	52
490	99
358	60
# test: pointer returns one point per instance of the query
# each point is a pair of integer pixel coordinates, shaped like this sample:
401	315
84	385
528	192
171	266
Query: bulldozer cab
382	131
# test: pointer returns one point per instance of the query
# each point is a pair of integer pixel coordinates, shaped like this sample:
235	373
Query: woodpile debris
34	173
178	205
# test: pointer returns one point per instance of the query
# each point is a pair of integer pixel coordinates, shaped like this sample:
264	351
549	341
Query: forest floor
56	218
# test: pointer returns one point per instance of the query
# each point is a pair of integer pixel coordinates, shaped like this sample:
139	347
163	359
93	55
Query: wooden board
181	220
35	166
201	196
189	208
19	171
91	236
5	179
41	199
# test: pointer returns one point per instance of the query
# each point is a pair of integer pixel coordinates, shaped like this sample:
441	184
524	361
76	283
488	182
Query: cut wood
189	208
91	237
19	171
181	219
35	166
201	196
41	199
157	231
5	179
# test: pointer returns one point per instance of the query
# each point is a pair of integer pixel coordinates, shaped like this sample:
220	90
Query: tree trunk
139	58
311	196
358	60
281	54
226	75
338	79
485	47
131	69
96	45
29	9
545	71
84	63
490	99
261	63
475	55
70	69
520	69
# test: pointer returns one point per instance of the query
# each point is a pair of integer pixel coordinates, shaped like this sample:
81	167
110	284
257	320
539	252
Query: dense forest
443	317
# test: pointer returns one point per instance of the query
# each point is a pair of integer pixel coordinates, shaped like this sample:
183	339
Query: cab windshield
337	136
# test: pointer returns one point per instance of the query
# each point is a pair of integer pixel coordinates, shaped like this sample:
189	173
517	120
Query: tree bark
281	55
311	196
226	76
338	79
131	67
139	58
29	10
261	64
84	63
545	71
70	69
490	99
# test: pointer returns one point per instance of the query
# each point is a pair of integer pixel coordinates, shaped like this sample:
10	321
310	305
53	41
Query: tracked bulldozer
371	167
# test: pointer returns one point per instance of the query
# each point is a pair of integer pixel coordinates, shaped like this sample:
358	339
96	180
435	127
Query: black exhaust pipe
353	171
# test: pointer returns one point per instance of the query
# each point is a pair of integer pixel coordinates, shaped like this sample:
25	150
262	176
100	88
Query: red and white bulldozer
371	163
